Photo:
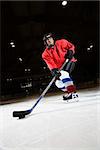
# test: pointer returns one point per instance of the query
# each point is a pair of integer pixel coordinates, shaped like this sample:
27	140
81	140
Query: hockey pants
65	83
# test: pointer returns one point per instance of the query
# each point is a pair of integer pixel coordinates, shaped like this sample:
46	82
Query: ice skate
70	96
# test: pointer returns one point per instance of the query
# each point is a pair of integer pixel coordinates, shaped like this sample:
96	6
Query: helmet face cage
47	36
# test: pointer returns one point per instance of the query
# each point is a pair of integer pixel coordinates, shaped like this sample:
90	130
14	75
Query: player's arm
49	61
70	49
51	65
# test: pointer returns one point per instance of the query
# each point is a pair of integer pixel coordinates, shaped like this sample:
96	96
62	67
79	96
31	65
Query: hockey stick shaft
21	114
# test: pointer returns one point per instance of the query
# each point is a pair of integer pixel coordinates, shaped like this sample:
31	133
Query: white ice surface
53	124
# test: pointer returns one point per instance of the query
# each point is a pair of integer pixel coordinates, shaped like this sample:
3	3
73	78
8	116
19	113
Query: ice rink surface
54	124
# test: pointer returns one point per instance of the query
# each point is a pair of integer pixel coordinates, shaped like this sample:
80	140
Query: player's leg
66	84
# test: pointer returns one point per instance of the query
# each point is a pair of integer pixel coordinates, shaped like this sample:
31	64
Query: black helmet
46	36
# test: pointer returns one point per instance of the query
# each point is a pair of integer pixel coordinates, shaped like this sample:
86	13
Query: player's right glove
56	73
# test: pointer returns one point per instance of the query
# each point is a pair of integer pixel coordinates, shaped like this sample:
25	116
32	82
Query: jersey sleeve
49	61
67	45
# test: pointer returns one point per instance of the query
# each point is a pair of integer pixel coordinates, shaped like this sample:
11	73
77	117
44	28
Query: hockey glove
56	73
69	54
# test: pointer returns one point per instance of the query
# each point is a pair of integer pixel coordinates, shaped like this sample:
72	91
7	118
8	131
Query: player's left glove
69	54
55	72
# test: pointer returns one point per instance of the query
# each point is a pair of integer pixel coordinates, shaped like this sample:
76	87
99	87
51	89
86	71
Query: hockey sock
71	89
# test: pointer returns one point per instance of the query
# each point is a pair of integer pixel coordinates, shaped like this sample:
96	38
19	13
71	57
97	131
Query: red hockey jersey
54	56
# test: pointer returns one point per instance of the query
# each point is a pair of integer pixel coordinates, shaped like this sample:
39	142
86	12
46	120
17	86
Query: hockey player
55	53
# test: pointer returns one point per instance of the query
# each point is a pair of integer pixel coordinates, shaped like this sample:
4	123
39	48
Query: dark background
25	23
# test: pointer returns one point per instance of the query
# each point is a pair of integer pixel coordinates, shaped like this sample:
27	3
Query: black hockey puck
22	116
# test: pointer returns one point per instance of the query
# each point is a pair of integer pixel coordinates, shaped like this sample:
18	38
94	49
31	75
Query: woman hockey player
54	55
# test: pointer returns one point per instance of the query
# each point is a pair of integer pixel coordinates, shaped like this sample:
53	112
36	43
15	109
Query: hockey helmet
47	36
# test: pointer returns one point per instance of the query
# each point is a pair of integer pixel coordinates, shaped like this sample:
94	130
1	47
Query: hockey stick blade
21	114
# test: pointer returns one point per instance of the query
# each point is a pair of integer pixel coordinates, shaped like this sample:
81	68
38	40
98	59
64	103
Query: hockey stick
22	114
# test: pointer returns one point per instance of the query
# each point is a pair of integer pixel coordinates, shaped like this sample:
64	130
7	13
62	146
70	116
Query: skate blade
73	100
